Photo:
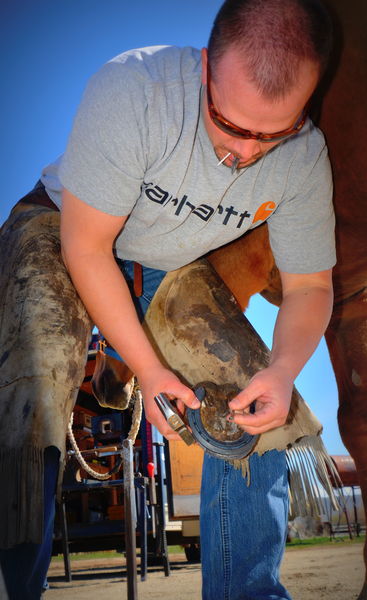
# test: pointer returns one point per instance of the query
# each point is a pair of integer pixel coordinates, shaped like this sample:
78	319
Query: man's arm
87	237
302	319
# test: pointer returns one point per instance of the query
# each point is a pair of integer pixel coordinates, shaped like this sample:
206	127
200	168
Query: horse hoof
363	594
214	410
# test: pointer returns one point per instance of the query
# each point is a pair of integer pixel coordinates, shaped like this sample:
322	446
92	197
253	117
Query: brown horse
247	265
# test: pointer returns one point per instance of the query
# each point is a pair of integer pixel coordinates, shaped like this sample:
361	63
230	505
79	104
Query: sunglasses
246	134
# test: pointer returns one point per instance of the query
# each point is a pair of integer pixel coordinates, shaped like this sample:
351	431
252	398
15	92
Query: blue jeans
25	566
242	528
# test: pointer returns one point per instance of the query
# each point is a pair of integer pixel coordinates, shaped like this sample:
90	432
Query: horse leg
347	341
247	267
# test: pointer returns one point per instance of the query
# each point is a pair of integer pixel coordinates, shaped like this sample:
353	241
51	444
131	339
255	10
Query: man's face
236	98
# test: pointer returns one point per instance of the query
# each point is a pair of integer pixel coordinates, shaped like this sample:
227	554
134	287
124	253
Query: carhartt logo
205	212
264	211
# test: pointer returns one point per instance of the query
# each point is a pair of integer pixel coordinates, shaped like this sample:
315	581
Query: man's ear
204	63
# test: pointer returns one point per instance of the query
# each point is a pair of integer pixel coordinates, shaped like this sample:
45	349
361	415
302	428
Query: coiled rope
136	420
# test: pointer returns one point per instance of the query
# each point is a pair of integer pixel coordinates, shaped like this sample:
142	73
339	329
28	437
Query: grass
316	541
89	555
107	554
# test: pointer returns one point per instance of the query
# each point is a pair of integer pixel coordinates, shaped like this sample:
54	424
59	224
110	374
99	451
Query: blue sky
49	49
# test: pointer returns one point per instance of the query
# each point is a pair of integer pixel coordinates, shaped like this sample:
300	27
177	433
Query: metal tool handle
164	405
173	418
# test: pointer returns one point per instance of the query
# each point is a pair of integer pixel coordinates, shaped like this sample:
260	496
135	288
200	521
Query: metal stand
133	486
130	520
65	541
161	539
135	520
141	498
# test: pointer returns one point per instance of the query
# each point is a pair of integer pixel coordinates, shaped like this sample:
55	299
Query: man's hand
157	380
271	390
302	319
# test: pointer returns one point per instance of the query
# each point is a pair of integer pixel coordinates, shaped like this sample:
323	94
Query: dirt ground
331	572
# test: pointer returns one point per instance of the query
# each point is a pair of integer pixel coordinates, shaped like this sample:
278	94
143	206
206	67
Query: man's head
264	60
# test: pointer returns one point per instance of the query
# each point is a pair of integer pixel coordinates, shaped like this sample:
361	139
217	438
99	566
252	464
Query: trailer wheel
192	553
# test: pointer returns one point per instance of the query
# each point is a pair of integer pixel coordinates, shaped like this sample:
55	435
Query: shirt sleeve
104	162
301	229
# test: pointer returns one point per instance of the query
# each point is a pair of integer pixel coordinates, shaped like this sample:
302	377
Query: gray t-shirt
139	147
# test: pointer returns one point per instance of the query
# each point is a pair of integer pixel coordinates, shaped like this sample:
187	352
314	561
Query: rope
136	419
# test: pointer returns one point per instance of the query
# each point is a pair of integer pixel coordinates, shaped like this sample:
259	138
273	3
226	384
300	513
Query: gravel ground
327	572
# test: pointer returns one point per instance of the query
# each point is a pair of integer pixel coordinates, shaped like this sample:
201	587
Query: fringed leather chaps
45	331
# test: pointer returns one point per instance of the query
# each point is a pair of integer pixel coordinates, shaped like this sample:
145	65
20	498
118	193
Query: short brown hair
273	38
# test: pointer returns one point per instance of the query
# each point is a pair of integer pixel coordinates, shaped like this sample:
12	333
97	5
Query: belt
38	196
138	279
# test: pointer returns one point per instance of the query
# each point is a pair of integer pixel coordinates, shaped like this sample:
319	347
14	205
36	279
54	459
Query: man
174	153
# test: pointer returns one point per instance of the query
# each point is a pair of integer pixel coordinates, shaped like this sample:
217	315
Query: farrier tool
173	418
226	449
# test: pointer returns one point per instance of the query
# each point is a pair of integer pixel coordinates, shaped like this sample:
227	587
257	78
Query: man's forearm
105	294
302	320
87	236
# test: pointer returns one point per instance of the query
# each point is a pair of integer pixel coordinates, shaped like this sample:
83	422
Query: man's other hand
271	390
